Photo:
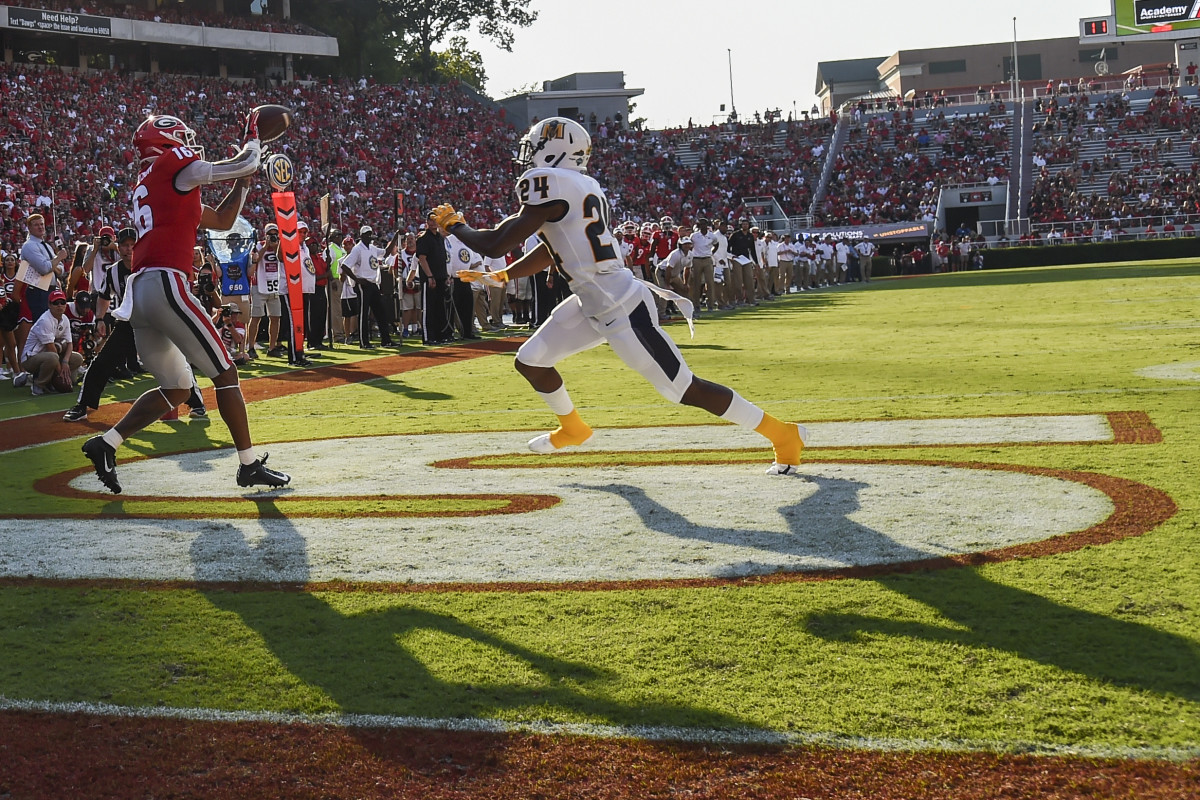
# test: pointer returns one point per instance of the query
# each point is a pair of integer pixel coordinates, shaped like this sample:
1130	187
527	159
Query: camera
106	240
87	340
205	284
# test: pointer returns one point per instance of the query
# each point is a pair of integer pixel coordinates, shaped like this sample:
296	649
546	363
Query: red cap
57	295
107	231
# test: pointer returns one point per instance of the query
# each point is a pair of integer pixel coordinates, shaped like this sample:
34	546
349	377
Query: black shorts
349	306
10	316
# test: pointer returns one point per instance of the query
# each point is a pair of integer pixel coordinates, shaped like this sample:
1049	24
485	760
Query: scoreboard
1143	20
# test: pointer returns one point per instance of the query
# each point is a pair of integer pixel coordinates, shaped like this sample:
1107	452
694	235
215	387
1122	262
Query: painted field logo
493	515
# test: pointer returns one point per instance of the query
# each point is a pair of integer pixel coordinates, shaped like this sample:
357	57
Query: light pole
1016	69
732	105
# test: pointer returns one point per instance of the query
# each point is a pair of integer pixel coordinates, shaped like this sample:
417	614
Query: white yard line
720	736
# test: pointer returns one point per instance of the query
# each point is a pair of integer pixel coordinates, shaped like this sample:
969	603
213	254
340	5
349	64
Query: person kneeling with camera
229	323
49	357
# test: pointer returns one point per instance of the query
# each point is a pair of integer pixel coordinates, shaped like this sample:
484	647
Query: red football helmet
160	133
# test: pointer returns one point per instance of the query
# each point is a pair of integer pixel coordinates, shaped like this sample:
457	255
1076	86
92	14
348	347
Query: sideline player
569	212
170	327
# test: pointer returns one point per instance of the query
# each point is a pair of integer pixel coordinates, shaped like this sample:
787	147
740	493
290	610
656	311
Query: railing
1140	223
1029	89
1127	236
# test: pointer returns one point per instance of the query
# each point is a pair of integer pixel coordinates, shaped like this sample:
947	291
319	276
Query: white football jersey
269	276
580	241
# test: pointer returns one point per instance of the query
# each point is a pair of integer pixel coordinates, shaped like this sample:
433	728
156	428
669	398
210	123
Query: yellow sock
785	438
572	430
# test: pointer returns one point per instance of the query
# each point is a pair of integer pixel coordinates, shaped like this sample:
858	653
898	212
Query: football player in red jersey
170	327
639	255
664	240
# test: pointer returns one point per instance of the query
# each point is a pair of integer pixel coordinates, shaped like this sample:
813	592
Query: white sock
247	457
559	401
113	438
742	412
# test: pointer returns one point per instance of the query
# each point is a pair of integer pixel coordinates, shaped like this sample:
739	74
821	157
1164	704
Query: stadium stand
893	164
705	172
65	136
182	15
1126	157
1128	161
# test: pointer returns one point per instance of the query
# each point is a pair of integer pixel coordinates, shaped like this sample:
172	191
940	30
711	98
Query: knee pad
535	353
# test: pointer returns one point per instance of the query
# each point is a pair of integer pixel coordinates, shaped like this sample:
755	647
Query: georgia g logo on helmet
555	142
162	132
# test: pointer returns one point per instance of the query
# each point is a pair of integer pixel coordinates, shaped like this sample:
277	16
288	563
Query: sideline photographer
229	323
207	286
101	254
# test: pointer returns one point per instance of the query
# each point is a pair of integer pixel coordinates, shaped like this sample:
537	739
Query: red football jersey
166	219
664	243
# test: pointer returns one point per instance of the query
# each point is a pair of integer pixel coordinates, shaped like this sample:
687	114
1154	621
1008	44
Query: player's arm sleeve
199	173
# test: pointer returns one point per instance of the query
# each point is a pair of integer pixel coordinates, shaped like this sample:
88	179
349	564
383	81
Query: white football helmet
555	142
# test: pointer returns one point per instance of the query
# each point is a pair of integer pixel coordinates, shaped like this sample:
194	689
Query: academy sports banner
894	232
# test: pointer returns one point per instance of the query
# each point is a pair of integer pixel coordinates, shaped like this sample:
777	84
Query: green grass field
1097	649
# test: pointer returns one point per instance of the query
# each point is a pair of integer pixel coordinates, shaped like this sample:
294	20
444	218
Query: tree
423	23
460	63
367	46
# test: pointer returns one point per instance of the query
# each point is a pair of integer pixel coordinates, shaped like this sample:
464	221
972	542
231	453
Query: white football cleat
542	444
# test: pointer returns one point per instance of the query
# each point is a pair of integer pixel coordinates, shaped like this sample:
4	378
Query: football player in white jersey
569	212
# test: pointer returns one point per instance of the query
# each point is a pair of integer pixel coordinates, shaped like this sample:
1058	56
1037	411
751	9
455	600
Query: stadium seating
893	164
692	172
66	135
1132	159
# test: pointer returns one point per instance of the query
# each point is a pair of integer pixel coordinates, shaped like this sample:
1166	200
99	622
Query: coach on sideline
43	261
702	279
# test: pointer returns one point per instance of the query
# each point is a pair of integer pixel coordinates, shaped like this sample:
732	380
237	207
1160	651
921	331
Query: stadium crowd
892	166
1139	164
66	143
726	163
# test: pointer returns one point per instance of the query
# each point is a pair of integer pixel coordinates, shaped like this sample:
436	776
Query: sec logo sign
279	172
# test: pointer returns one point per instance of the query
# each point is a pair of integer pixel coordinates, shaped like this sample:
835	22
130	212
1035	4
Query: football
272	121
60	384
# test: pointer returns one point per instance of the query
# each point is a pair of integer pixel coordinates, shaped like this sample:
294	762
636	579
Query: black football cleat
104	459
259	474
76	413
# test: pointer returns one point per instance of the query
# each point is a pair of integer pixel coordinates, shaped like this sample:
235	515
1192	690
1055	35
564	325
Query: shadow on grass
995	616
1063	274
394	386
1011	620
361	661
